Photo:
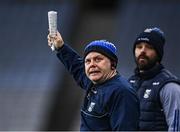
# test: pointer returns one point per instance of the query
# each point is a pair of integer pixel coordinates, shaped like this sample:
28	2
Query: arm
71	60
169	97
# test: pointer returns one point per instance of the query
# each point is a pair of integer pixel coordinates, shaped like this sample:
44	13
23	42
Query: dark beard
150	63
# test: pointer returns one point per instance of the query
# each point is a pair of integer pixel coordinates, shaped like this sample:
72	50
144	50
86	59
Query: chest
147	89
95	103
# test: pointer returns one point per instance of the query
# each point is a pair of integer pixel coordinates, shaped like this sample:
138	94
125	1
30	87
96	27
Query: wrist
59	48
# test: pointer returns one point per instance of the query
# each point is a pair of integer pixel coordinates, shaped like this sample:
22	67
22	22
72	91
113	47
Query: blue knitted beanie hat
104	47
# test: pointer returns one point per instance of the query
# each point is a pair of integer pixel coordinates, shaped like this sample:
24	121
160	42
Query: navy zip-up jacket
111	106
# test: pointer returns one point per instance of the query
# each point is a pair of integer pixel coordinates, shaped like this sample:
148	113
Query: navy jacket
148	86
112	105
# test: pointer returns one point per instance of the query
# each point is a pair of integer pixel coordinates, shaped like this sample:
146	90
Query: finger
49	39
48	36
49	43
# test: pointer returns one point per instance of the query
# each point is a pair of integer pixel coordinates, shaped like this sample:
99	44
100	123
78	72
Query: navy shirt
112	105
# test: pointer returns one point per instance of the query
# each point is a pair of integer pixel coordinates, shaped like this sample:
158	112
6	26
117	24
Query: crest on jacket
91	106
147	93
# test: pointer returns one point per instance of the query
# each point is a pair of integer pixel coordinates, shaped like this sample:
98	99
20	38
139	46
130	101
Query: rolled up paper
52	21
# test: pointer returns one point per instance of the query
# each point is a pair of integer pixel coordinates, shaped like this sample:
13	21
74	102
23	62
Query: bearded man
157	88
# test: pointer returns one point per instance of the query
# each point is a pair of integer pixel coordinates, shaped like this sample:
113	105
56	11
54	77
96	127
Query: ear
113	65
113	68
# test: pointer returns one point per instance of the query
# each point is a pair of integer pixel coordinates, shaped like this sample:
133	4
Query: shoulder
170	90
167	75
123	84
123	87
166	80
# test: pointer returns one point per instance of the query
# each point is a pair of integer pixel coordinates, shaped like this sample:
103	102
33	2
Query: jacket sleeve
169	97
74	63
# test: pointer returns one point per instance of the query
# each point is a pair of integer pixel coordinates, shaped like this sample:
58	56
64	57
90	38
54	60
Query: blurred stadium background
36	92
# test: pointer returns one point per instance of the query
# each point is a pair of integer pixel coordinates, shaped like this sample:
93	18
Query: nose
92	63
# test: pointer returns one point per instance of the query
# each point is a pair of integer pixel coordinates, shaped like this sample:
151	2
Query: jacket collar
149	73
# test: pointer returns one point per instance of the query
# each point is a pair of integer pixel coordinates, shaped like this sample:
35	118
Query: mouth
94	72
142	58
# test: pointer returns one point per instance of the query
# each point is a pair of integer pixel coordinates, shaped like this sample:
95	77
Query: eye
98	59
138	46
150	46
87	61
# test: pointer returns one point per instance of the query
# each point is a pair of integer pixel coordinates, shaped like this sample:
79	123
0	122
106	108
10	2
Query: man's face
97	67
145	55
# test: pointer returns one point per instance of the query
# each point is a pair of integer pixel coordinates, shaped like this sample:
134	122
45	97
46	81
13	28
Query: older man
110	103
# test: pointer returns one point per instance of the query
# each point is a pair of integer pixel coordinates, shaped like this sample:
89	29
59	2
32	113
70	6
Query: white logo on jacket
148	30
147	93
132	81
156	83
91	106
